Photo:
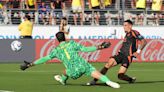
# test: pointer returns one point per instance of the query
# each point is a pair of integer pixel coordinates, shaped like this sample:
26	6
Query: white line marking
5	91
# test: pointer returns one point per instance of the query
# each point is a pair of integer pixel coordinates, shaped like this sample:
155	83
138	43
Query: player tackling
131	47
76	66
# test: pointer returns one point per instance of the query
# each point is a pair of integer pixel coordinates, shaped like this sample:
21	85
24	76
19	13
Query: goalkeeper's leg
103	78
104	70
62	79
42	60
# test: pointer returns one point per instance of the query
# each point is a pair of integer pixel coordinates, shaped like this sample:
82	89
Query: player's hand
135	54
104	45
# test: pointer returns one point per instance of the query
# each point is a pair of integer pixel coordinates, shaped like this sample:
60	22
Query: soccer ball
16	45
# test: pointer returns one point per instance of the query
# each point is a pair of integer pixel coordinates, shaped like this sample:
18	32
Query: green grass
150	78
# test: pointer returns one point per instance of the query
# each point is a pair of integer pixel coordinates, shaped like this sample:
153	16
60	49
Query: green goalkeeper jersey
68	54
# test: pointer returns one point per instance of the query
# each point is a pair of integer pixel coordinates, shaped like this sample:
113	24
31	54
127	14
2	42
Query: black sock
102	71
124	77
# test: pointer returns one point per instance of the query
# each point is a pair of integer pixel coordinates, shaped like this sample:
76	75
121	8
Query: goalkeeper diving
76	66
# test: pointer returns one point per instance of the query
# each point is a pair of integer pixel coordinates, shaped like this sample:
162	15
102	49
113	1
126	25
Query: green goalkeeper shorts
79	70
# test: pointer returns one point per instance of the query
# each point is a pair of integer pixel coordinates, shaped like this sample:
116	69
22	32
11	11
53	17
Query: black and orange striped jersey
130	43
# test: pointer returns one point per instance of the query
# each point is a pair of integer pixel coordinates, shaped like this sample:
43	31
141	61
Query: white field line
5	91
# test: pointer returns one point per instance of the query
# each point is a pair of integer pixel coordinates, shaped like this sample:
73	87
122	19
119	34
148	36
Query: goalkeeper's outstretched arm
94	48
42	60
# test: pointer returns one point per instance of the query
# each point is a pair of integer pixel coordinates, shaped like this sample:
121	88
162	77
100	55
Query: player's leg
112	62
62	79
97	75
123	70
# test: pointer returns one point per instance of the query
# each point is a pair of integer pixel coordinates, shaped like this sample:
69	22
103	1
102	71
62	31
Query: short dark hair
129	21
60	36
28	17
64	18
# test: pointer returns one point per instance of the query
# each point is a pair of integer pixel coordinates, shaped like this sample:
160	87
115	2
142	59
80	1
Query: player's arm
38	61
88	49
42	60
141	44
94	48
50	56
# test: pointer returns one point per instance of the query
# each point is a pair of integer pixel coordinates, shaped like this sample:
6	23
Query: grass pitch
150	78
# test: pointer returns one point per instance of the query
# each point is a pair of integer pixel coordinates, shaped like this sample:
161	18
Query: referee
25	28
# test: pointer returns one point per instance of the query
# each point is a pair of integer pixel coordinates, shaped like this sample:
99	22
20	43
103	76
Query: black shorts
96	8
25	37
122	59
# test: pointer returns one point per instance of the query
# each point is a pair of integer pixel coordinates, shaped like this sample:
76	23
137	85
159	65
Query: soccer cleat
59	79
133	80
113	84
25	65
91	83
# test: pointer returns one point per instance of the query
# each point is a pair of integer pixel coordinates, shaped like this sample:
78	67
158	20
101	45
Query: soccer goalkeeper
76	66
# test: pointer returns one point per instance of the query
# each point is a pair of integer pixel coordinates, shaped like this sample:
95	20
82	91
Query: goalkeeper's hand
104	45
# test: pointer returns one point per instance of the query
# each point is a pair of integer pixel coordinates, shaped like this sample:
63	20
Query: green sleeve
42	60
88	49
83	48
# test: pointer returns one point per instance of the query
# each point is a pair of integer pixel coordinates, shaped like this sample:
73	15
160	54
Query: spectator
44	13
141	6
156	7
107	4
1	13
78	8
15	13
64	27
16	4
95	5
133	3
31	4
58	5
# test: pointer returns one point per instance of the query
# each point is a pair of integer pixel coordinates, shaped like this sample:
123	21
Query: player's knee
121	76
110	63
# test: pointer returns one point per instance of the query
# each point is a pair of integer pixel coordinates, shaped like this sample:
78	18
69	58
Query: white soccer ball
16	45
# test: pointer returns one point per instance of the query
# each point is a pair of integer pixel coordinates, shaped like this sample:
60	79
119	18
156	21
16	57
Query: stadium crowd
83	12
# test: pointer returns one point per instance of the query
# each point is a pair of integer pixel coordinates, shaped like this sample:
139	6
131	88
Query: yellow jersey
31	2
157	5
1	6
141	4
25	28
95	3
76	2
107	2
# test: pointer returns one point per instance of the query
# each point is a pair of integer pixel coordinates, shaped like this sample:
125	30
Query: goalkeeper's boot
113	84
91	83
25	65
133	80
59	79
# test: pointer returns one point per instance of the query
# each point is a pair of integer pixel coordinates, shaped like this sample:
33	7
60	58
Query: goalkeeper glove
104	45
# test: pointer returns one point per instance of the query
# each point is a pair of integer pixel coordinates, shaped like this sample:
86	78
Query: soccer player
76	66
131	47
